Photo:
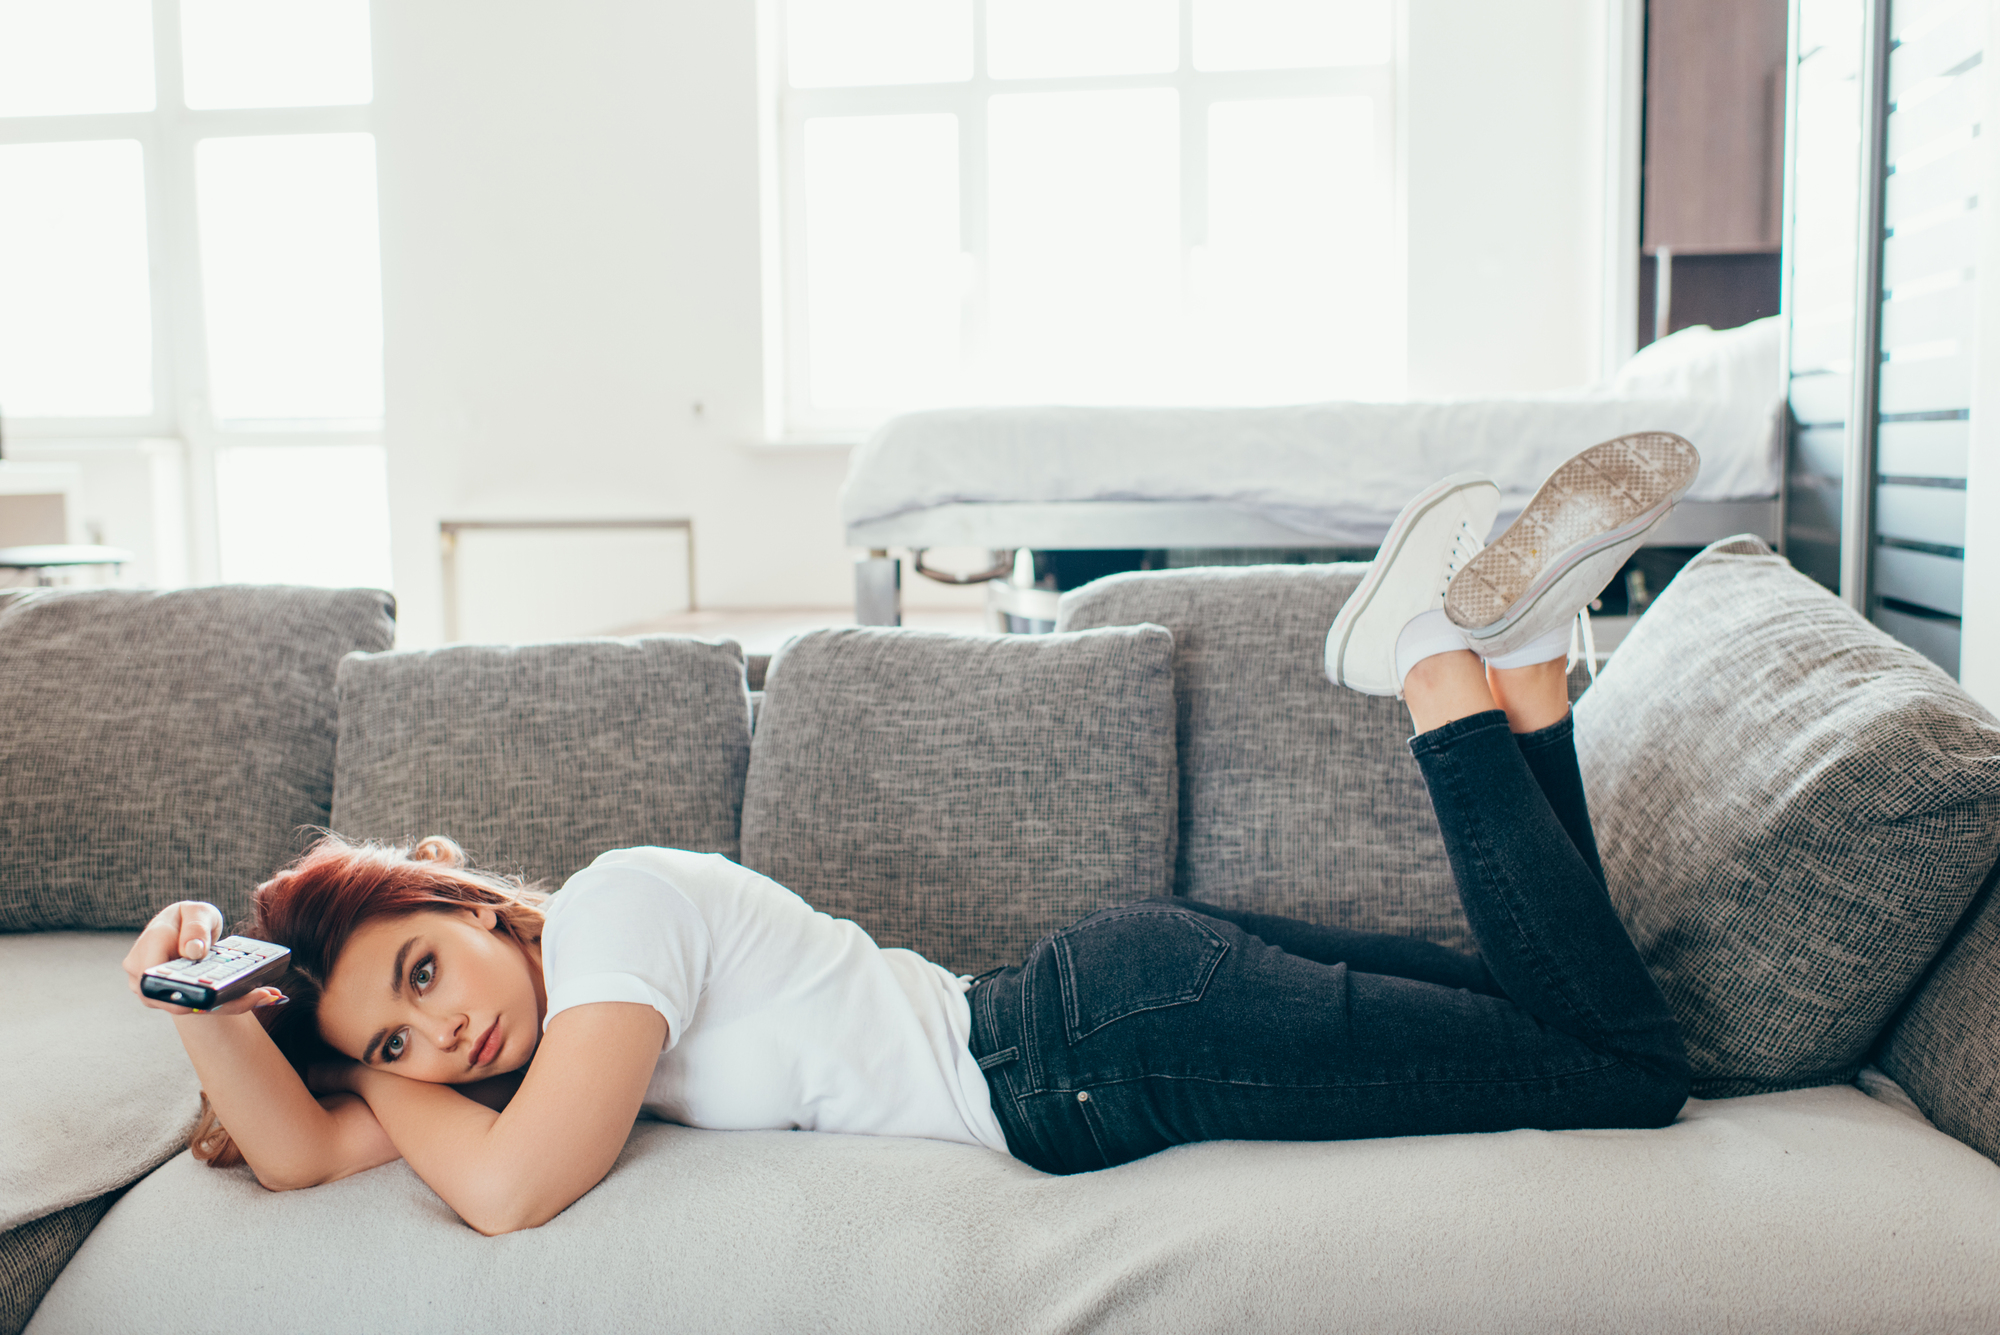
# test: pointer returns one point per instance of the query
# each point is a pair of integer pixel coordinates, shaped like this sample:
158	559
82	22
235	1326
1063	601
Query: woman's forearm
559	1135
446	1137
284	1133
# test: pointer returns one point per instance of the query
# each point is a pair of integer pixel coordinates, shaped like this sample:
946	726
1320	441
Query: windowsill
804	443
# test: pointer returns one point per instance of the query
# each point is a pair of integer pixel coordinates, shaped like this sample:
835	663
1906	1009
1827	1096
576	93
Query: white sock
1553	644
1426	634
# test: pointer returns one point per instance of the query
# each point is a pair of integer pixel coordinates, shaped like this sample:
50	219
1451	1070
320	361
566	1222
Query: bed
1308	477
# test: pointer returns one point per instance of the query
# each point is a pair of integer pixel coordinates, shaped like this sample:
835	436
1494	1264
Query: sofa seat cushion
98	1089
1819	1211
1297	797
1794	811
962	795
164	746
538	757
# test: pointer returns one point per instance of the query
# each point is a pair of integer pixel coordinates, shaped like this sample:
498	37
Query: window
1085	201
188	248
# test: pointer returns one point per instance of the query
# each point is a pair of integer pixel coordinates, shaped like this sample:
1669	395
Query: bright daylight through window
188	249
1086	201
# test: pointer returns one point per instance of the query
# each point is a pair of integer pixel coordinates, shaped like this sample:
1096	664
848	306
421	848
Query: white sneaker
1431	540
1582	525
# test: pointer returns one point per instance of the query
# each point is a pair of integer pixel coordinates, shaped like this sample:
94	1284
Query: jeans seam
1607	1064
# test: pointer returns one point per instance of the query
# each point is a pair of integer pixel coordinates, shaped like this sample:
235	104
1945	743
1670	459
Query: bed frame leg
878	590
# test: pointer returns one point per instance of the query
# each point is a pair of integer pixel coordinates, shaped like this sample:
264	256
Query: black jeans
1169	1021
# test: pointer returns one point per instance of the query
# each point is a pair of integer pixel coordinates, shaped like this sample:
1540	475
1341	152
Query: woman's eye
394	1047
423	975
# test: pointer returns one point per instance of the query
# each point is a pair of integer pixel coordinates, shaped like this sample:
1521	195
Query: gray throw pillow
164	746
1945	1050
536	758
1297	797
1794	811
962	795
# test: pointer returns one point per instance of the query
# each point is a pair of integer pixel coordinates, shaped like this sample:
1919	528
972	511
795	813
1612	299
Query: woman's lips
490	1044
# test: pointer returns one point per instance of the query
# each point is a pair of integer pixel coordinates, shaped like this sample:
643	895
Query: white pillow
1733	365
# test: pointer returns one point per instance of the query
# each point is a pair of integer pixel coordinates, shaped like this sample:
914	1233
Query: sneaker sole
1420	507
1581	526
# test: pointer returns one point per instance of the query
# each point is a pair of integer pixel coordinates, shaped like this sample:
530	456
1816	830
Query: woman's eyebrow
368	1053
396	977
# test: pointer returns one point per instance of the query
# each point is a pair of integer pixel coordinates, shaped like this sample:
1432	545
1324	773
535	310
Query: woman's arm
288	1137
556	1139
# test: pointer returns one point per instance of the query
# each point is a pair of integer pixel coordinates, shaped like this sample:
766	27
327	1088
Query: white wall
1504	118
570	264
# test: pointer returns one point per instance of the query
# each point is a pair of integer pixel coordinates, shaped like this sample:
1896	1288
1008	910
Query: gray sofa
1799	818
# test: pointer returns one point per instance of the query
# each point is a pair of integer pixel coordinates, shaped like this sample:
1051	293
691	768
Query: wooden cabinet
1715	127
1714	162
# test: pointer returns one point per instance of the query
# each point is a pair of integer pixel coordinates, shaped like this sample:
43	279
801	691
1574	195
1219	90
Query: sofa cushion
1297	797
962	795
1793	809
99	1090
164	746
536	758
1945	1048
1818	1211
32	1255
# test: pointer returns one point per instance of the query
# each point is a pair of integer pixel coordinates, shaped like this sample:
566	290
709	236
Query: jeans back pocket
1122	961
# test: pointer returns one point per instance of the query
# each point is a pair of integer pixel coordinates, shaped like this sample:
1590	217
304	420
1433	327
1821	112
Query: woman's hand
184	931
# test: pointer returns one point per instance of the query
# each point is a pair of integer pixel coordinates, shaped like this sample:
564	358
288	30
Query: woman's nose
449	1030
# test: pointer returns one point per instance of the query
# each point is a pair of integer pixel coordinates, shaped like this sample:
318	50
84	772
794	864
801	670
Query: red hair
314	905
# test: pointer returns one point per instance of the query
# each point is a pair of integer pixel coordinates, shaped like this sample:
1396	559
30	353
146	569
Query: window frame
790	417
167	136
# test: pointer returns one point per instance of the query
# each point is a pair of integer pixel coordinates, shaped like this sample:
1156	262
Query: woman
504	1043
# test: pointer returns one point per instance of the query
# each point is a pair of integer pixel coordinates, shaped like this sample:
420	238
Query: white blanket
1339	471
97	1089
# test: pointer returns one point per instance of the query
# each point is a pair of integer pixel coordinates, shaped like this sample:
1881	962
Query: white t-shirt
778	1016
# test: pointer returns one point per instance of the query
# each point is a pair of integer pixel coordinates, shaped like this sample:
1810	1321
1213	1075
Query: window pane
1084	244
275	53
1028	39
877	41
882	258
291	276
313	514
73	57
76	333
1295	287
1283	34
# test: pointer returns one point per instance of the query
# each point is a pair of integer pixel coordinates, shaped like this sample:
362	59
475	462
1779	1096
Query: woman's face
444	997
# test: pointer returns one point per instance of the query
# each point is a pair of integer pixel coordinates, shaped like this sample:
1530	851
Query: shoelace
1582	644
1465	544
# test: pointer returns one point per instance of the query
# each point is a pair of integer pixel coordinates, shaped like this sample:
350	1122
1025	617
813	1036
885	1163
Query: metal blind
1881	220
1930	204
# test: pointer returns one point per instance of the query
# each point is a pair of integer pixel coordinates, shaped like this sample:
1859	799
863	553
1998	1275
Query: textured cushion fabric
1793	809
1297	797
1945	1049
536	758
1817	1211
164	746
32	1255
962	795
99	1090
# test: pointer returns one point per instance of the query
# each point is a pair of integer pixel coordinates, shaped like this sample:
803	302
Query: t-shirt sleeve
622	932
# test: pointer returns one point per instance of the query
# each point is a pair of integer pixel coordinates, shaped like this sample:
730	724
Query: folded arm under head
413	978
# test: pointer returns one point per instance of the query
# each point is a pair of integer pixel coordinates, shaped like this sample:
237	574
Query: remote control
233	966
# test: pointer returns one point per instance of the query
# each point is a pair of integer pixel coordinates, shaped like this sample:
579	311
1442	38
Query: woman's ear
486	917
